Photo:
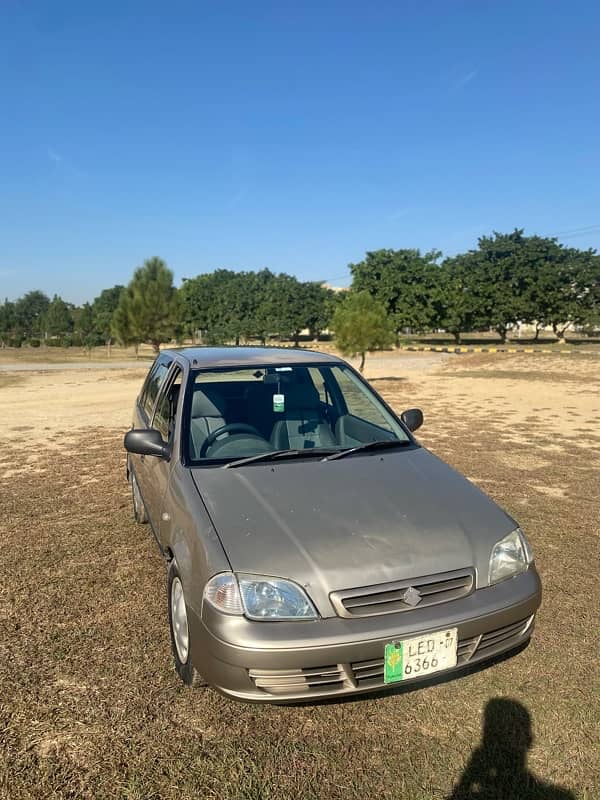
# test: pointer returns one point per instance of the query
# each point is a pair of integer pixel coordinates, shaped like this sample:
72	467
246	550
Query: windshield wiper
381	444
277	455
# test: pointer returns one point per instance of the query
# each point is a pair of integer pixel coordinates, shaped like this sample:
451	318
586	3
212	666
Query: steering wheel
233	427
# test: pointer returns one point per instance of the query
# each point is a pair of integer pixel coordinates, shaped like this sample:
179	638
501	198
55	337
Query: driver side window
153	385
166	408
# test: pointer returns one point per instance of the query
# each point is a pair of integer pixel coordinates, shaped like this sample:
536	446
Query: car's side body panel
190	537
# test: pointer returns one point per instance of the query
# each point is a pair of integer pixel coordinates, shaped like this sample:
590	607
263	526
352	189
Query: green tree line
507	279
35	319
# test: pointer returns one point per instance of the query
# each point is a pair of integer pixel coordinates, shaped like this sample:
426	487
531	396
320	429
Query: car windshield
239	413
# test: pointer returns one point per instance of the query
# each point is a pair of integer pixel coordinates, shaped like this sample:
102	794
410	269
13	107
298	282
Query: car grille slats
490	640
299	681
365	670
442	586
388	598
369	674
466	648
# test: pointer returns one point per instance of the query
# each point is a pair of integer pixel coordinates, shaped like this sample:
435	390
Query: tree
318	304
29	314
216	305
565	290
103	308
235	306
195	298
459	304
7	323
501	273
405	282
147	309
360	324
84	326
121	323
513	278
590	293
281	309
259	316
57	319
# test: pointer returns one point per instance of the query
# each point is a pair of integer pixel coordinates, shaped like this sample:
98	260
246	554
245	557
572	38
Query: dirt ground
90	705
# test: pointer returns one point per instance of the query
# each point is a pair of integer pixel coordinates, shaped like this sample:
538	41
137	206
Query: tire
139	509
180	636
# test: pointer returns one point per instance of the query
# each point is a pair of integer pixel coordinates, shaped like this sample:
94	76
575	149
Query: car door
144	413
158	470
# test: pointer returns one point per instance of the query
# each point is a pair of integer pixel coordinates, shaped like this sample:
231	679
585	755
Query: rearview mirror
146	442
412	418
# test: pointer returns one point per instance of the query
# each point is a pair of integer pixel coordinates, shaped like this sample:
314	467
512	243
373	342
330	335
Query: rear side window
155	381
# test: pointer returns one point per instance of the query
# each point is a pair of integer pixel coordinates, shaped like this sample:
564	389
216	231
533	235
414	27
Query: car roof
205	357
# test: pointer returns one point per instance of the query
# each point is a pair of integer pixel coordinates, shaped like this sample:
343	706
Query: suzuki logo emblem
412	596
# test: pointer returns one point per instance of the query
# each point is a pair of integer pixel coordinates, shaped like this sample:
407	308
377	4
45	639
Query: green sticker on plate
279	402
392	670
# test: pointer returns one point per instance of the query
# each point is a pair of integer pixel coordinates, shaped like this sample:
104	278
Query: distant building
336	289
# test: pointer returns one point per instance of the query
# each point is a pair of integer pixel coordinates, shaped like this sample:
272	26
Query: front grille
389	598
369	674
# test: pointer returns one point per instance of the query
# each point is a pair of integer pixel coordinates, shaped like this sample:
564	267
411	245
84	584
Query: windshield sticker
283	369
279	402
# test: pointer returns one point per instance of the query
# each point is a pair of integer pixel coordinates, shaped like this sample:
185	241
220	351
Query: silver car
314	548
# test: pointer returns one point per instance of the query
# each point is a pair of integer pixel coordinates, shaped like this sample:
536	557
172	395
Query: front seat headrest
301	396
207	402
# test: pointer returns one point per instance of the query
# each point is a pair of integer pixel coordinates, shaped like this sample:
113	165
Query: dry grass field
90	706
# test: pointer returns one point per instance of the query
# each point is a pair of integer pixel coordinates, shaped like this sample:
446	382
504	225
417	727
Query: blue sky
289	135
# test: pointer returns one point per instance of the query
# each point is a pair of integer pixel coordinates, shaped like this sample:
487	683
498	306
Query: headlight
510	556
274	598
258	597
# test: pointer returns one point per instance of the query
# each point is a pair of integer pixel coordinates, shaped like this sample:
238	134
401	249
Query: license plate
422	655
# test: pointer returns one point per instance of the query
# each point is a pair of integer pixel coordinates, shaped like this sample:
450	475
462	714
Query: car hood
352	522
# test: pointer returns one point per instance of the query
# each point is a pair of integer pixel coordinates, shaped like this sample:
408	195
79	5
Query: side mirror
412	418
146	442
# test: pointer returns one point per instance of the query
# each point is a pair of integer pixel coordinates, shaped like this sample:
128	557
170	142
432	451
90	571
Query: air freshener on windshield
278	402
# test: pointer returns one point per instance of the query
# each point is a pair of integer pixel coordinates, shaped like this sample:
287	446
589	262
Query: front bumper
292	661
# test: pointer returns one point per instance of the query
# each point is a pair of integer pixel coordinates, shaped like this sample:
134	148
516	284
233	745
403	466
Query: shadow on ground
497	770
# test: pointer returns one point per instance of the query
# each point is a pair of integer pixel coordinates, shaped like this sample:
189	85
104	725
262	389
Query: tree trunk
156	347
537	332
501	331
560	332
456	335
237	341
362	362
109	347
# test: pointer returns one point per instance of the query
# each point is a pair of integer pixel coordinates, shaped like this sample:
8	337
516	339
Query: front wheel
180	632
